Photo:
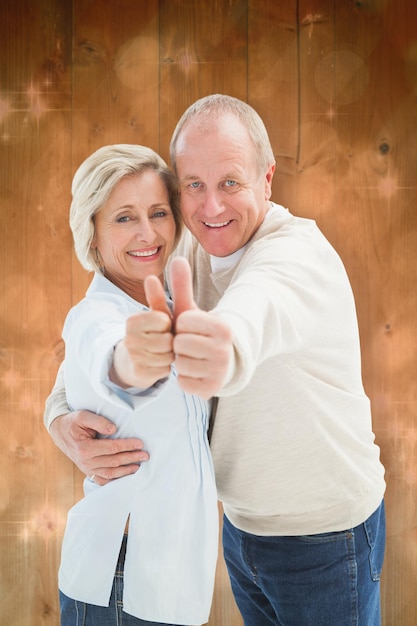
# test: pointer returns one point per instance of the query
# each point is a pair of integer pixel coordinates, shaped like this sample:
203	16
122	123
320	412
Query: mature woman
125	222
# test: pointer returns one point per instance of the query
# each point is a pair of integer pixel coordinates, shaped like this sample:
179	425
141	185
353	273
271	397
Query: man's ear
268	181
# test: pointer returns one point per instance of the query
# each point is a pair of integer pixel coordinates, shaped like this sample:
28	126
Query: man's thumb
181	286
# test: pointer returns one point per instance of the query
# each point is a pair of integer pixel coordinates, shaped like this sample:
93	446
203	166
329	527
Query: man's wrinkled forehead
211	123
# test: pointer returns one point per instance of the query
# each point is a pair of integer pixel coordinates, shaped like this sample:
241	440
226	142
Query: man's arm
76	435
56	403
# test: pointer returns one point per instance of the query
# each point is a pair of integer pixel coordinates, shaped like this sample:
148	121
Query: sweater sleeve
56	403
290	294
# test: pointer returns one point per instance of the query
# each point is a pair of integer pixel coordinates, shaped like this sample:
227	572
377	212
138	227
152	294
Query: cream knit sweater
292	441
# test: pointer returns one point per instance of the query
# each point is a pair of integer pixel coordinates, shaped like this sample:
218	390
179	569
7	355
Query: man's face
224	197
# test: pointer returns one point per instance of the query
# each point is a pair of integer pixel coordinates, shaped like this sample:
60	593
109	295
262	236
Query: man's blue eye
230	183
195	185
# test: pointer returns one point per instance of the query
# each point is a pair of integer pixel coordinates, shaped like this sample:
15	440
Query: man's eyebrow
189	177
233	175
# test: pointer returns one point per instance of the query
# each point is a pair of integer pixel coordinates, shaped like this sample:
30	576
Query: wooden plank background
336	83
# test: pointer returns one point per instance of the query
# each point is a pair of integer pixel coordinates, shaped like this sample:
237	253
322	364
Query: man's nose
213	205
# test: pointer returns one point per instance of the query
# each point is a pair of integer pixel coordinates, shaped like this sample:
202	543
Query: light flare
45	522
5	109
388	186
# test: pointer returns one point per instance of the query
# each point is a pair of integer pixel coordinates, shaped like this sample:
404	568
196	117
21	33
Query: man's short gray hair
210	107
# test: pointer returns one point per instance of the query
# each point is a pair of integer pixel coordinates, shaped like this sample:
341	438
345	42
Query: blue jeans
74	613
314	580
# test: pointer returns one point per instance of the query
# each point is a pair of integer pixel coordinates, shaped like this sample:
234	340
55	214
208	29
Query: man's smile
218	225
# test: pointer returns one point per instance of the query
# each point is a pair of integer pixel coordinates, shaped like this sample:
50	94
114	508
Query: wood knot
22	452
47	610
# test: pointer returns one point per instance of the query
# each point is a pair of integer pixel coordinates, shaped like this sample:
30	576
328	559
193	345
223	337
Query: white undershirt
223	263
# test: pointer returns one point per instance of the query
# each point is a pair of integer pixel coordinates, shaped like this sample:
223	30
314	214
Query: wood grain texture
203	50
336	83
36	483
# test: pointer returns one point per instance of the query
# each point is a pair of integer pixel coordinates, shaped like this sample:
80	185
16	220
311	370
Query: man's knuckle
113	446
114	461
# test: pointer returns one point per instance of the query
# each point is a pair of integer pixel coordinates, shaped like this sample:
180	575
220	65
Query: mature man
297	468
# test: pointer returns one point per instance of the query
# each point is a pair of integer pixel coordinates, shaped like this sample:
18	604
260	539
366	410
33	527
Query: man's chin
217	250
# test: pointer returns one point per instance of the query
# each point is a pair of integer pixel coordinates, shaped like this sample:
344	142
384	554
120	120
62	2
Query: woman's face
135	232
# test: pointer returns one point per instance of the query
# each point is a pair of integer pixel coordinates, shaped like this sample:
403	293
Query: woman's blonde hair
94	181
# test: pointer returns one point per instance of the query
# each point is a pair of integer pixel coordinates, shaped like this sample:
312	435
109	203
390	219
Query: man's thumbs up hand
202	342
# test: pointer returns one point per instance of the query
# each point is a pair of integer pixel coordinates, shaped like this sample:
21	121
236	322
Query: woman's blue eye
159	214
123	218
195	185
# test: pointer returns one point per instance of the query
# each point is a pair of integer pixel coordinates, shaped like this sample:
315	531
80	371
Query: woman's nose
145	230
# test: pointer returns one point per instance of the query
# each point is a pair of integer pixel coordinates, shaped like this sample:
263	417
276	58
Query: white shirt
171	500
